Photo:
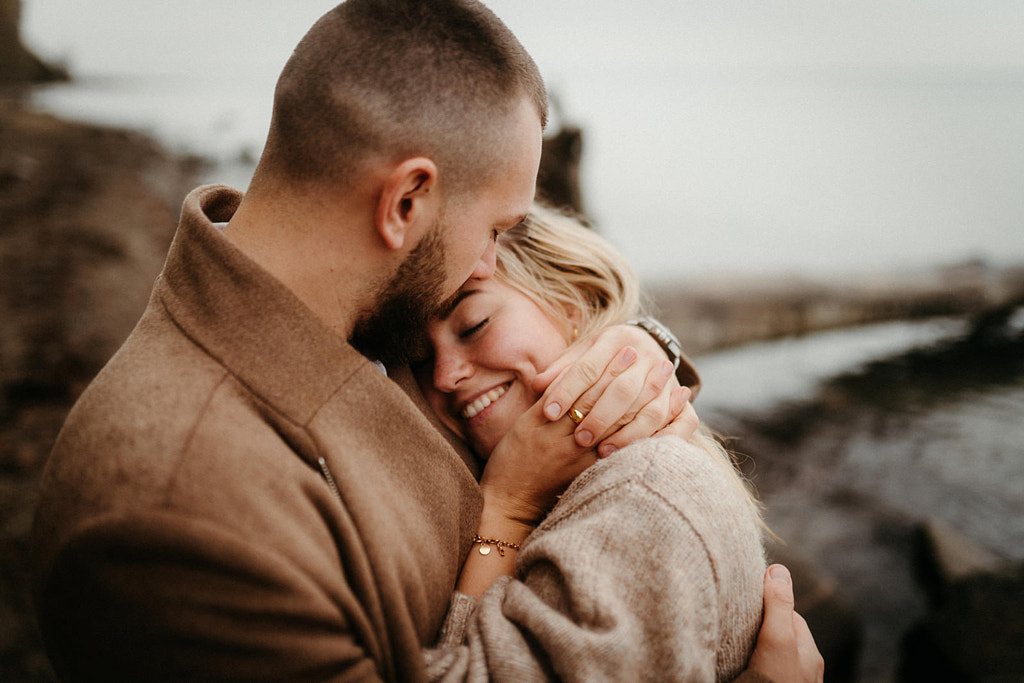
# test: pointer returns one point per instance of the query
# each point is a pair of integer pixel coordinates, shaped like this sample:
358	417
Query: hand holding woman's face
487	352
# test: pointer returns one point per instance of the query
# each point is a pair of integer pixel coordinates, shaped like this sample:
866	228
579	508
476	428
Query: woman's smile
475	407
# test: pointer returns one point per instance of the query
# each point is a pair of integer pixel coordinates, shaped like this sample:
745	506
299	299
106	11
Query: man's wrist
668	342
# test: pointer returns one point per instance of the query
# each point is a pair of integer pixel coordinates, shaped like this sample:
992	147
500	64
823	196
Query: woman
650	566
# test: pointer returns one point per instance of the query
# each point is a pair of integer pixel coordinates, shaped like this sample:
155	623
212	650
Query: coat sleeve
628	579
164	598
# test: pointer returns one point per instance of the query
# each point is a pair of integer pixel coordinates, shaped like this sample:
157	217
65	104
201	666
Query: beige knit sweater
650	568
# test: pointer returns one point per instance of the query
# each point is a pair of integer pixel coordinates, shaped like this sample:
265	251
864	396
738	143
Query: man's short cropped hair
397	79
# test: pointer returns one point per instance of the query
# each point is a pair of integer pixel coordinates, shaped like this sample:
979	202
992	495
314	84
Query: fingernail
667	369
584	438
606	449
629	355
779	573
552	411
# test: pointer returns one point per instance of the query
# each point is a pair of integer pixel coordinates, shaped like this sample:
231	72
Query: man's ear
409	203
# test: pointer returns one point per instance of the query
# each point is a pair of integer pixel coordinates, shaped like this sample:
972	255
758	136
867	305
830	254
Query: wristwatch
661	334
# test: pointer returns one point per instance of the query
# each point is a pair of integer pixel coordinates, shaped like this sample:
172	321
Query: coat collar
245	318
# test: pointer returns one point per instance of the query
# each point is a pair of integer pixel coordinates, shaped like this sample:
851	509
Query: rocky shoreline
86	216
710	315
18	65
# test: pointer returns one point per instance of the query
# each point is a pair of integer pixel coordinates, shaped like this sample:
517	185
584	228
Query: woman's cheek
439	404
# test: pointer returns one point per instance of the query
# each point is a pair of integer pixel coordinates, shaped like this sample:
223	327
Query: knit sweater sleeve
649	568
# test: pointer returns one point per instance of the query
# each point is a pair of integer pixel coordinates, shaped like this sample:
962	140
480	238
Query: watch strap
661	334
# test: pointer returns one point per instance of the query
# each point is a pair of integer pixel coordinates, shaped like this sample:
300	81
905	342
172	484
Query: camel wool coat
240	495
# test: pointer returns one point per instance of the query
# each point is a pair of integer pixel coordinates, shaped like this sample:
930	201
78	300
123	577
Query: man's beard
393	332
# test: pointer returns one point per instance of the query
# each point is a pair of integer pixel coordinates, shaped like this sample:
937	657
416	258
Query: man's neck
317	254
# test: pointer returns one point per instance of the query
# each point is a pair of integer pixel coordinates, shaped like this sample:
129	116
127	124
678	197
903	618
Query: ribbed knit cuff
453	630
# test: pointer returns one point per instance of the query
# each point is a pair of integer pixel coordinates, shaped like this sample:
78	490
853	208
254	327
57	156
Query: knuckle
659	411
625	388
628	418
654	415
588	401
588	370
656	381
597	425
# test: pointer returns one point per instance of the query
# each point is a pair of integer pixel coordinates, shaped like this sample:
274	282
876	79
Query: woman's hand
531	466
527	470
624	387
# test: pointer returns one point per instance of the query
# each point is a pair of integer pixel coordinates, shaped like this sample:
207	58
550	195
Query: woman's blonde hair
568	271
571	272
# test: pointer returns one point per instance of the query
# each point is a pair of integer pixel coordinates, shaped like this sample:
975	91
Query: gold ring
576	415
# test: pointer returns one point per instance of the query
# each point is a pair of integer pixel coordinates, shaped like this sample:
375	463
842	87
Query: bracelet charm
486	543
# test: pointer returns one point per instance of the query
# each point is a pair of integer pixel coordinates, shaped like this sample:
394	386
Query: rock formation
17	63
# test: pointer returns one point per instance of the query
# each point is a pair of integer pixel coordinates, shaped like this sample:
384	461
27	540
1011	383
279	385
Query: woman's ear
409	202
575	320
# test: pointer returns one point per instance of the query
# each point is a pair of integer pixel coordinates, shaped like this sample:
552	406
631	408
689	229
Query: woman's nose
449	370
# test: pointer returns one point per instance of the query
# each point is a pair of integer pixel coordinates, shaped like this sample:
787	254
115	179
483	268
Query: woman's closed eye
467	333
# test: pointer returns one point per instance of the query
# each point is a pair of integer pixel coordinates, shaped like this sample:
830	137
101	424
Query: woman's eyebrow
459	298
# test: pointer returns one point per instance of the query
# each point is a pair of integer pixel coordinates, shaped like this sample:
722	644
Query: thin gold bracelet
486	543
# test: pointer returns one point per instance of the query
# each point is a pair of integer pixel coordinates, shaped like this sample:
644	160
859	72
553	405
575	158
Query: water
860	435
756	376
722	138
944	446
929	444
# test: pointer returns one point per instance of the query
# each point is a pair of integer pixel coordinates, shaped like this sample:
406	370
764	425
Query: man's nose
449	370
485	266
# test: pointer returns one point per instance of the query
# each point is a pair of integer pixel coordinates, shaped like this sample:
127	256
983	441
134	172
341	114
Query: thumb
778	602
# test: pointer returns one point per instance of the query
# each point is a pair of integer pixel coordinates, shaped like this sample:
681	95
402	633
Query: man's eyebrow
447	311
515	222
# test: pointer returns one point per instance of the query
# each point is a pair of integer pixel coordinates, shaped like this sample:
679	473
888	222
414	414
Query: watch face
663	336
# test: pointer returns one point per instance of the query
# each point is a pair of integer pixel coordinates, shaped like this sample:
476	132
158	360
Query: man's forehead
466	291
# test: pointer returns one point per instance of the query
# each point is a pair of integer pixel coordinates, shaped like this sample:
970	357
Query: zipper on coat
330	478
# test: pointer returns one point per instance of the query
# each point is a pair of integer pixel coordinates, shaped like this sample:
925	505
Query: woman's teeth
474	408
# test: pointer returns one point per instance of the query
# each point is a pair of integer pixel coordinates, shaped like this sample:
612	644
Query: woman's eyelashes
467	333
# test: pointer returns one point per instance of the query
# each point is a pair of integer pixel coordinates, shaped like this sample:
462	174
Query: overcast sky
710	137
807	33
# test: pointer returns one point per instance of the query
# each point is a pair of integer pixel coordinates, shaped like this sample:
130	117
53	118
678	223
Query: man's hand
785	649
623	385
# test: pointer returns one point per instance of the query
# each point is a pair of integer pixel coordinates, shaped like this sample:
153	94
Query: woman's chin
483	446
485	430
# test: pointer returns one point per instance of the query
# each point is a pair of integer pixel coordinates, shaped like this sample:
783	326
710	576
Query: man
240	494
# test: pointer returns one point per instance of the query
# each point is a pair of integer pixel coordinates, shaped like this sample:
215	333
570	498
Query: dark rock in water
558	181
975	635
944	557
830	613
17	64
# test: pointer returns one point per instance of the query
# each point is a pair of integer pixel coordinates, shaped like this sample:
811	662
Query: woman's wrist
495	547
504	521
